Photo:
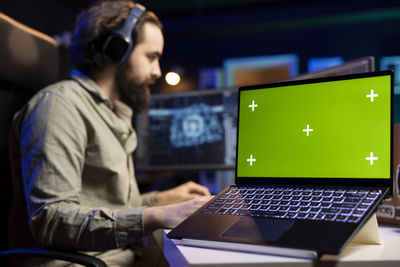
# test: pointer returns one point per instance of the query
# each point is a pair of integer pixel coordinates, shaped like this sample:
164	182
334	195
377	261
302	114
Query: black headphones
119	43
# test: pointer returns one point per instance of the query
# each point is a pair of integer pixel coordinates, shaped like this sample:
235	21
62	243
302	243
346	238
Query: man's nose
156	71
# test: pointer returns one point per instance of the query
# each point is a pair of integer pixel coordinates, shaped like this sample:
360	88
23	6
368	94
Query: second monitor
193	130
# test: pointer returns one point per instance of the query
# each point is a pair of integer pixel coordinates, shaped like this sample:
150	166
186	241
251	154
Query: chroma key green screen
335	129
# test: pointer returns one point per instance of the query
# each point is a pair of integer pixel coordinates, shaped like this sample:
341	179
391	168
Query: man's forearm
67	225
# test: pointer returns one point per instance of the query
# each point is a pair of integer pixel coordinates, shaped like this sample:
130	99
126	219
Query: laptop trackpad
258	229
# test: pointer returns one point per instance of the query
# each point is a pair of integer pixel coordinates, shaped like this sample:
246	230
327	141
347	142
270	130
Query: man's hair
94	25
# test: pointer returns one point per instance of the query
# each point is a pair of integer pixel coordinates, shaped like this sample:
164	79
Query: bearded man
72	145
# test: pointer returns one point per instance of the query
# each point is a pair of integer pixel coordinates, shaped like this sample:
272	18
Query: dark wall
201	33
349	29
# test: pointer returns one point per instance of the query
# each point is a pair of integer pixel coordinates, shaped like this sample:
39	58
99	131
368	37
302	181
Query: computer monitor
193	130
358	65
392	63
259	69
320	63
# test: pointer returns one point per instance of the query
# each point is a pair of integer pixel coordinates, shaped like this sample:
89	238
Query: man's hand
170	216
186	191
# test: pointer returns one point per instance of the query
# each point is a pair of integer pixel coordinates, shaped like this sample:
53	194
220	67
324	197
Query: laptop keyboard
300	203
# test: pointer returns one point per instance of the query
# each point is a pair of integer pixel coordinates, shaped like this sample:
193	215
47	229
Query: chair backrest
29	61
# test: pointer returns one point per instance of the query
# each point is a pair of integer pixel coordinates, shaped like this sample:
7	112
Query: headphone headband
119	43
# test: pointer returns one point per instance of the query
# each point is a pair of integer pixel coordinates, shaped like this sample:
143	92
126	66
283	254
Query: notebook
313	162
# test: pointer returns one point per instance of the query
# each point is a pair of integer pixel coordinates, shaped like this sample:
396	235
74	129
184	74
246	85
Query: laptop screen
322	128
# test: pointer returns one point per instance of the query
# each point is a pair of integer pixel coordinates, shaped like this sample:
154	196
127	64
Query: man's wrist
152	219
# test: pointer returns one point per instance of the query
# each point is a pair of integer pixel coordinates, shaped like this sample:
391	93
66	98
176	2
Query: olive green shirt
72	165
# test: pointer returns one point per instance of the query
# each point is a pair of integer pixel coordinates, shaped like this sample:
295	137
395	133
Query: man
72	145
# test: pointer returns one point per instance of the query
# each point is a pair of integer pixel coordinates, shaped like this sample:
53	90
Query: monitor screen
317	129
259	69
320	63
193	130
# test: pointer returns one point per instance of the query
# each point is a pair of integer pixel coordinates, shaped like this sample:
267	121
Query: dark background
201	33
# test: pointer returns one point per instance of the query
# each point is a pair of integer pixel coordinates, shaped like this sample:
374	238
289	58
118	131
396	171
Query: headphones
119	43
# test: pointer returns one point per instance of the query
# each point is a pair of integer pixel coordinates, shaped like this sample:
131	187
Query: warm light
172	78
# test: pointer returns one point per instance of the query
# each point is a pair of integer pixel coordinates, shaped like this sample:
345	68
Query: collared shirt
72	150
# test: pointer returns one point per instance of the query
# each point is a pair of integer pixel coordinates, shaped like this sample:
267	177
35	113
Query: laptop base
368	235
270	250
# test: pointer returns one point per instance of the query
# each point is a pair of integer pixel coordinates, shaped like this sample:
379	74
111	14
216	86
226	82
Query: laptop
313	162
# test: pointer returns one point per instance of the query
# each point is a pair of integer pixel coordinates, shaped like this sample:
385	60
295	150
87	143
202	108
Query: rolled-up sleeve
53	142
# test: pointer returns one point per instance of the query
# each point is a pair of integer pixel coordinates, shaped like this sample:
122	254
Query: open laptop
314	160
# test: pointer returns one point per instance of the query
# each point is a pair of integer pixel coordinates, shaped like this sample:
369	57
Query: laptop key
344	205
341	218
358	212
363	206
345	211
311	215
302	215
329	217
242	212
294	208
222	210
304	204
291	215
254	207
230	211
262	213
358	194
274	207
331	210
353	219
210	210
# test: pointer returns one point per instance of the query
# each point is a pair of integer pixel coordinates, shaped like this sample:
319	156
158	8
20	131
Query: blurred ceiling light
172	78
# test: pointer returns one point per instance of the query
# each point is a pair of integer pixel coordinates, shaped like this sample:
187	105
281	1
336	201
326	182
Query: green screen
348	132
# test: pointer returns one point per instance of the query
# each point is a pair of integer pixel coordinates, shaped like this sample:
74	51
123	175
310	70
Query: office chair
29	61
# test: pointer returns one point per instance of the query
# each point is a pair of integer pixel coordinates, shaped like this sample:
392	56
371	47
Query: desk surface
387	254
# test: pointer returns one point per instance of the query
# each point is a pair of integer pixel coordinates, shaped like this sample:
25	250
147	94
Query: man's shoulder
67	91
56	97
51	101
66	88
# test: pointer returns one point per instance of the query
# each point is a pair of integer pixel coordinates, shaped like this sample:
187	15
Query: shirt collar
91	86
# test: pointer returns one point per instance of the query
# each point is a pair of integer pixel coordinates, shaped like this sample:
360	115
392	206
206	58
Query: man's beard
131	93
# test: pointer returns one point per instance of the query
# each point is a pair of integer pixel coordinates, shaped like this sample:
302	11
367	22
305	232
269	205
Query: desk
384	255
